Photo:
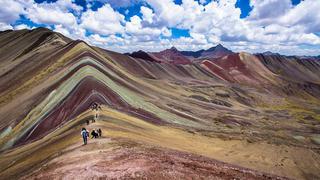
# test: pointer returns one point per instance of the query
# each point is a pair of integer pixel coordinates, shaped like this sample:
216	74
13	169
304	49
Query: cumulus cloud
106	40
290	24
303	15
22	26
43	13
4	26
147	14
10	10
168	13
138	32
50	14
134	27
104	21
119	3
202	1
66	5
268	10
61	29
166	32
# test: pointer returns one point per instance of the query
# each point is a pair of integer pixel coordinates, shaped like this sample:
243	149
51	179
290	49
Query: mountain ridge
173	55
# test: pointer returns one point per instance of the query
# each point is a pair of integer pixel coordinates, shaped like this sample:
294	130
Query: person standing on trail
94	134
99	132
84	134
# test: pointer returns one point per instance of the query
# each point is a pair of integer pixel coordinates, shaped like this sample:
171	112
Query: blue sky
284	26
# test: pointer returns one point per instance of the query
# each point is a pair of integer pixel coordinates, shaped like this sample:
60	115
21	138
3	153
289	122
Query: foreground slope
245	110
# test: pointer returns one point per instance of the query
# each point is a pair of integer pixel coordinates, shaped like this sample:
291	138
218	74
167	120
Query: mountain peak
216	52
220	45
217	47
42	28
269	53
172	55
173	48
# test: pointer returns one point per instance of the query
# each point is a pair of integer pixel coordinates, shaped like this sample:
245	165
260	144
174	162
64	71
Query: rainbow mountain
212	114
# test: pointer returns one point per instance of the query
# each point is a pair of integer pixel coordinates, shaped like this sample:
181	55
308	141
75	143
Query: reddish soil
136	161
230	68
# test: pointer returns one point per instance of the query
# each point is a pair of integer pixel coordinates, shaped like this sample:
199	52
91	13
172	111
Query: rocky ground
107	158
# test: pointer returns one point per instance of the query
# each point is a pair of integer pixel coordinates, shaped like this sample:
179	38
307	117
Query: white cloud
285	14
134	27
61	29
104	21
73	32
48	15
53	13
107	40
202	1
147	14
168	13
10	11
268	10
4	26
199	38
22	26
304	14
166	32
118	3
66	5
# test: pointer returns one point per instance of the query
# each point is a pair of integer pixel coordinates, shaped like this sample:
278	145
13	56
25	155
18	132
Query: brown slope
27	53
292	68
15	44
239	68
295	74
172	56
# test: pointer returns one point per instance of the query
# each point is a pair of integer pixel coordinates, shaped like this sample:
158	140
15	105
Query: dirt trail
106	158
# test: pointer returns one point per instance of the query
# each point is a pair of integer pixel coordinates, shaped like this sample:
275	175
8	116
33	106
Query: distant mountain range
269	53
174	56
213	52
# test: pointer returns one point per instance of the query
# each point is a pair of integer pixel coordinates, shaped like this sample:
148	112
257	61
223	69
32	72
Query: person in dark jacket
94	134
99	132
84	134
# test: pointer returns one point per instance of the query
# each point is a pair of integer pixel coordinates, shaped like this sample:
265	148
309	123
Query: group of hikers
94	133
